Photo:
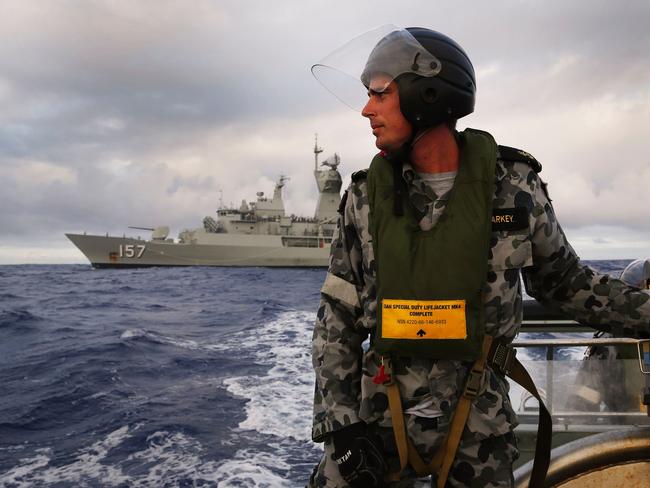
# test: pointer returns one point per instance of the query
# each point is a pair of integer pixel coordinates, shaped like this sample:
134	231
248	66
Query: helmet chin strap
397	159
420	133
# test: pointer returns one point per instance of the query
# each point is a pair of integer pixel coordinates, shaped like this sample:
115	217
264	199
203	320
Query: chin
382	145
390	145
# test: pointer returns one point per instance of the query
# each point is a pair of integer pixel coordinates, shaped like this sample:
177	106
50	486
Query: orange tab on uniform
423	319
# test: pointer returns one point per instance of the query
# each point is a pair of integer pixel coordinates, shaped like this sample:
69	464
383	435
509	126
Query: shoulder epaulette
359	175
508	153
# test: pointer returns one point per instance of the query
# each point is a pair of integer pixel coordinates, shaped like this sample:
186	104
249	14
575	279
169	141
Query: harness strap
502	358
399	430
405	448
444	457
472	387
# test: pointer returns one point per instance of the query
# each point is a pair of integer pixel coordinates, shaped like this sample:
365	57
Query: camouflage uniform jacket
345	393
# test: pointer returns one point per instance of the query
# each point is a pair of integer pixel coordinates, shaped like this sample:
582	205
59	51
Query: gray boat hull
223	250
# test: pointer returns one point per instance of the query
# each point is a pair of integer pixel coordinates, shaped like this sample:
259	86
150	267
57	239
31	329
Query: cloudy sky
148	112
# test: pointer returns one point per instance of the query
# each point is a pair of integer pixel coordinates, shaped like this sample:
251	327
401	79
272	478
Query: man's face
389	126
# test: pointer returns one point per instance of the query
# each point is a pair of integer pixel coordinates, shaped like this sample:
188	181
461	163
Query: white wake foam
170	459
86	467
279	400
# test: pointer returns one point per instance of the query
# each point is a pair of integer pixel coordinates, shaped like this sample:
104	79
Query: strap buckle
503	358
473	384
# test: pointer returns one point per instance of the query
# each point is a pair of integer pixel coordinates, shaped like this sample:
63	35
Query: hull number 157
131	250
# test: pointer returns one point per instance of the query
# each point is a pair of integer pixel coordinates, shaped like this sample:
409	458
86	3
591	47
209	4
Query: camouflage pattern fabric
552	272
485	463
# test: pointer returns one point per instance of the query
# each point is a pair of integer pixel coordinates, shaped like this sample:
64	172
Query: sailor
414	233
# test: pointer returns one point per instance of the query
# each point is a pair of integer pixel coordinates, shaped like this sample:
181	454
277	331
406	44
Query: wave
164	459
279	399
8	296
279	405
143	335
254	469
87	466
20	318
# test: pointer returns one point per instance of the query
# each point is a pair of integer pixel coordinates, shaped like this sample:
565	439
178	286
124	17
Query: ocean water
158	377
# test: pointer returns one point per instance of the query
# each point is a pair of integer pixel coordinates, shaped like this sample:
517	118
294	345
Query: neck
435	150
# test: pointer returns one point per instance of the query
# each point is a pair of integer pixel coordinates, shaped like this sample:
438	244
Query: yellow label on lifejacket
423	319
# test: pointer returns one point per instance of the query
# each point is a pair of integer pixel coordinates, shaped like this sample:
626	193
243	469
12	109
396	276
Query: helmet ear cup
429	94
450	94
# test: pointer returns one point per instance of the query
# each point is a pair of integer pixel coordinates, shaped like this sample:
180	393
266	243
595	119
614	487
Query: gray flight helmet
436	81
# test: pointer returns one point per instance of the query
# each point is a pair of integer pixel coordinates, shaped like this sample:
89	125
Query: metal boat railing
585	395
551	345
602	447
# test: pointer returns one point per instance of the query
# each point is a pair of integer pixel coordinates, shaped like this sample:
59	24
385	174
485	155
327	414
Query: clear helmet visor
372	61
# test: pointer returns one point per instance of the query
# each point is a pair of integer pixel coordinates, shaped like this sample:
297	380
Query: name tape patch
423	319
509	219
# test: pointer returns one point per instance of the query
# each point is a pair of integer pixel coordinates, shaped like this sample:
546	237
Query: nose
368	109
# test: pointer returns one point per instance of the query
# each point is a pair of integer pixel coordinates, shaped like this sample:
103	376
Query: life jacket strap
502	358
444	457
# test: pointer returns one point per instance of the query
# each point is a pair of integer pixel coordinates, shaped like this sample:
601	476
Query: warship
257	233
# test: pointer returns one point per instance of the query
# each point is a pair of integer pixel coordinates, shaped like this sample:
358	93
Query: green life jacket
429	283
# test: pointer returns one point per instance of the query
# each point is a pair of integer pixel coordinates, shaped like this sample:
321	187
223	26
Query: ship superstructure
257	233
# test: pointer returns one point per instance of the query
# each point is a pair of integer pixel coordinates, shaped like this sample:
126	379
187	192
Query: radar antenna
317	151
281	181
332	162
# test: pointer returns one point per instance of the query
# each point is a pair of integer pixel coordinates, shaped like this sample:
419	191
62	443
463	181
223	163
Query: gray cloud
121	113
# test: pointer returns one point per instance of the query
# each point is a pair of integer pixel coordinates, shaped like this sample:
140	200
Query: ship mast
329	182
317	151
